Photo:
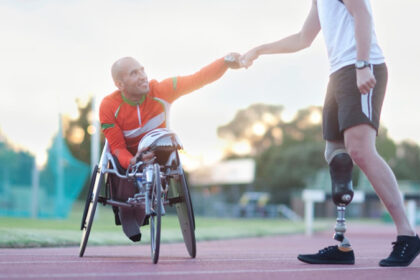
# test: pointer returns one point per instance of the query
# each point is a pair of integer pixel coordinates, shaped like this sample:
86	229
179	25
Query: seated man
137	107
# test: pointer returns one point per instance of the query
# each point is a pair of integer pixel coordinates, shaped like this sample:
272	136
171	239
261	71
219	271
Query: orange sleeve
172	88
113	133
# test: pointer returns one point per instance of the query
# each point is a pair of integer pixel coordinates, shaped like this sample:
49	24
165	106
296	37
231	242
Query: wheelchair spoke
155	217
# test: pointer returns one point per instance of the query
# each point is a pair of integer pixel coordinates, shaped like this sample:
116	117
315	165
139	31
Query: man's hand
142	155
365	80
248	58
232	60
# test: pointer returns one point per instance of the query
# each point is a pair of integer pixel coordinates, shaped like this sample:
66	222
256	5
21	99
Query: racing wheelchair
159	182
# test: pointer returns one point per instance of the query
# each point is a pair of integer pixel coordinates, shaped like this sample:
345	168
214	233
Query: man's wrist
361	64
229	59
259	51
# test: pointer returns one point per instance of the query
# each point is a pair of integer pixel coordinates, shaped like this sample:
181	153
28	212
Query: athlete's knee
359	154
360	144
341	167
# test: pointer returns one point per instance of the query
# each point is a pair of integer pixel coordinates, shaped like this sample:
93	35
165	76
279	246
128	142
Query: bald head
129	76
121	66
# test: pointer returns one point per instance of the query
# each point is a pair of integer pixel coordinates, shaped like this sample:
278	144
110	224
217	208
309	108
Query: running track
253	258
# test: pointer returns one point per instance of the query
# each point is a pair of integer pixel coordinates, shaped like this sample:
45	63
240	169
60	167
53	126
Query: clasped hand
142	155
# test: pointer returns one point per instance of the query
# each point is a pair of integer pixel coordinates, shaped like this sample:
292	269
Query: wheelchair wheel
155	216
89	196
185	213
90	208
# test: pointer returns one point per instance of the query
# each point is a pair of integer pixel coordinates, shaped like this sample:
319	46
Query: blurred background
252	139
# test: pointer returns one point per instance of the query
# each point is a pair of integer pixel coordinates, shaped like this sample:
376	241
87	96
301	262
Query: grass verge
26	232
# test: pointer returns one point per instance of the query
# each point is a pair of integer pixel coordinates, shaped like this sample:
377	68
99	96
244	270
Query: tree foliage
252	127
289	154
77	132
406	163
16	165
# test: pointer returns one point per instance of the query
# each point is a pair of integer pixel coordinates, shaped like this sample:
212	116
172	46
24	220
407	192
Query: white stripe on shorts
366	101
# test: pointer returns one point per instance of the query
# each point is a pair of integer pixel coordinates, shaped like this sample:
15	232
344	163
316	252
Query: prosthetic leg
341	167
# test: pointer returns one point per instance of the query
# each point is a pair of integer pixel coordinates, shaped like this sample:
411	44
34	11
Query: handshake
236	60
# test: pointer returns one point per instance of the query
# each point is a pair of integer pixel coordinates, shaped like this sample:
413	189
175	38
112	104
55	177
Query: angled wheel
90	208
89	196
185	212
156	214
187	188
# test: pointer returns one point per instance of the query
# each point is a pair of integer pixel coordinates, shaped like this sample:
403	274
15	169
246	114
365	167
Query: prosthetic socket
341	167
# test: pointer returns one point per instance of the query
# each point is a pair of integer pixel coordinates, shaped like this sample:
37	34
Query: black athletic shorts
345	106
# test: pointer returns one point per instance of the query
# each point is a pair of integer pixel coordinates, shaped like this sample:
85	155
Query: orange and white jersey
124	123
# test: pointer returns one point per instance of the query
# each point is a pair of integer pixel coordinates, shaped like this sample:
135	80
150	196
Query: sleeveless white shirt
337	26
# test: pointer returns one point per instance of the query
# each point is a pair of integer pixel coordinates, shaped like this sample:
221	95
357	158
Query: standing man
356	89
137	107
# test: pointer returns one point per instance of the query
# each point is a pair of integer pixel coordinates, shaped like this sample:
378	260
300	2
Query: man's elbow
306	44
305	41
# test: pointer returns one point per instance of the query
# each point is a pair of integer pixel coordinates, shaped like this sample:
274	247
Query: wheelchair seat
120	169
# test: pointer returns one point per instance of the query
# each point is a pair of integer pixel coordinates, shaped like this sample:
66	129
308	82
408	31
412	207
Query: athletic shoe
404	251
136	237
116	215
146	220
329	255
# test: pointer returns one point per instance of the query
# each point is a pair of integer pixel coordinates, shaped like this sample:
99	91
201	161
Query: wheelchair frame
153	181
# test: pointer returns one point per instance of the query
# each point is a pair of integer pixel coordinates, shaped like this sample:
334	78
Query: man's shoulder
115	96
153	85
163	88
111	100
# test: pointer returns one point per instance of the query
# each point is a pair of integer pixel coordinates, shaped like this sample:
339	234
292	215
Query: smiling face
129	76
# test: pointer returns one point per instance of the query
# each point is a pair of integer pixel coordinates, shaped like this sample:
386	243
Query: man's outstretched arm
175	87
290	44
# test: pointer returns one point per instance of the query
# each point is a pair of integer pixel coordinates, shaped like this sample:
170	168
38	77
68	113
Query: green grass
26	232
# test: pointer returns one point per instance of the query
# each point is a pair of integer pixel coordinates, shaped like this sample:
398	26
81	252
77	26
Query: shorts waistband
352	66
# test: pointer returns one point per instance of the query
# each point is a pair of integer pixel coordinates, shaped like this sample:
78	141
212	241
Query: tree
16	172
285	153
285	167
385	145
77	133
289	154
252	130
406	163
281	169
17	165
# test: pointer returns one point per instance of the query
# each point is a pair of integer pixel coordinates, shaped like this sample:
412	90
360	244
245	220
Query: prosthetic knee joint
341	167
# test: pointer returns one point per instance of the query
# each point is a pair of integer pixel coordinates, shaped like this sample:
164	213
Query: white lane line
144	261
160	261
177	273
36	255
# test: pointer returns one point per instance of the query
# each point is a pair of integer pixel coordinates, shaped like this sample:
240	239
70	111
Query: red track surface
253	258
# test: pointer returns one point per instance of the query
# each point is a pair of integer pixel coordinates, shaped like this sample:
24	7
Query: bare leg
360	144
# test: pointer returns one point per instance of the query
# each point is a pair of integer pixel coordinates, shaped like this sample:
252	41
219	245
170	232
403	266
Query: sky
54	52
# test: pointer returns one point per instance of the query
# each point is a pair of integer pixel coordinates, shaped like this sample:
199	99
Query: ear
119	84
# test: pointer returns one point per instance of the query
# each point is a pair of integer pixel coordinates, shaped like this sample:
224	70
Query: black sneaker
329	255
136	237
404	251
